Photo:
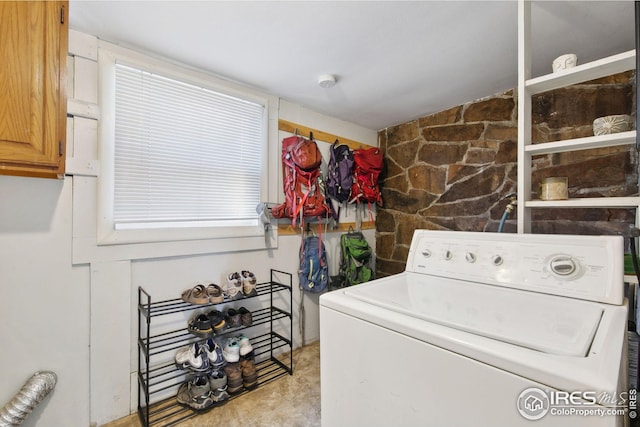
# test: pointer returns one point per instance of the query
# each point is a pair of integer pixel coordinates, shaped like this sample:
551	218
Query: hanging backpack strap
320	241
358	215
298	210
301	311
370	210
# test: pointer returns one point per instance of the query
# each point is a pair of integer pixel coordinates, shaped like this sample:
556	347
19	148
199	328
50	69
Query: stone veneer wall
452	170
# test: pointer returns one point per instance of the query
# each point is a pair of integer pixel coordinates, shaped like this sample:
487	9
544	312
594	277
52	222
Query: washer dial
563	265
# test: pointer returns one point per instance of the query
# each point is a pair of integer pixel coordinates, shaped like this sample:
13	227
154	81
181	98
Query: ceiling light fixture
327	80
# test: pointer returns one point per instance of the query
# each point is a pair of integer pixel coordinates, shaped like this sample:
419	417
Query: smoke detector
327	80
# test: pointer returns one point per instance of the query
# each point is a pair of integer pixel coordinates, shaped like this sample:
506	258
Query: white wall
70	307
44	299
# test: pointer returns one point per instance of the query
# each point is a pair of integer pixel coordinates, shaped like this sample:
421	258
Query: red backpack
301	181
367	166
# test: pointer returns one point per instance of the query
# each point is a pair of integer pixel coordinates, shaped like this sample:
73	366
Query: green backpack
356	256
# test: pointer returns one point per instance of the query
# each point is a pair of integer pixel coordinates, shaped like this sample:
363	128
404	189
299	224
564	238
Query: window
182	158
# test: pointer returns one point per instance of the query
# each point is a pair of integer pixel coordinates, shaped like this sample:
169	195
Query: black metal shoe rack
156	375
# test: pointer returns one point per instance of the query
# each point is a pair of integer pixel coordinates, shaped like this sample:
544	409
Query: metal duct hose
31	393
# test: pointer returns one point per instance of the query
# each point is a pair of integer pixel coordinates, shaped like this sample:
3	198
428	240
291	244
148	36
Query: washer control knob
563	265
470	257
426	253
447	255
497	260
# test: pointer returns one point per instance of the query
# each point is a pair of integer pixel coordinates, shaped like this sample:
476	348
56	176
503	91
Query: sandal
200	326
196	295
217	321
215	293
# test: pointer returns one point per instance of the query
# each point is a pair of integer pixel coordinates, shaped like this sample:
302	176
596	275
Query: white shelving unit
527	87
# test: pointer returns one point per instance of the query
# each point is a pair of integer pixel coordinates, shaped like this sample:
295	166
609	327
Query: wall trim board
343	227
287	126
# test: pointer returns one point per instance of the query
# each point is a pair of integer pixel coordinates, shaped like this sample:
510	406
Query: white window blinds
184	155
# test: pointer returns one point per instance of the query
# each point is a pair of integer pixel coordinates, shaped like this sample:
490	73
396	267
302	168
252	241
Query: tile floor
292	401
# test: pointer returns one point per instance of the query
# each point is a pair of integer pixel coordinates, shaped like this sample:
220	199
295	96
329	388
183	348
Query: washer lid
546	323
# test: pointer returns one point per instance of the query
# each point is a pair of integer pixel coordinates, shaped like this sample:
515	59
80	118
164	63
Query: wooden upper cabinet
33	74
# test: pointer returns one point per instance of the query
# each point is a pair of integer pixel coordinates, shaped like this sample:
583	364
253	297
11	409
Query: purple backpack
340	179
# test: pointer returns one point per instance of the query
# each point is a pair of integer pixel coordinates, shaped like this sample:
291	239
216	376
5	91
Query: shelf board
612	140
592	202
592	70
173	340
168	412
176	305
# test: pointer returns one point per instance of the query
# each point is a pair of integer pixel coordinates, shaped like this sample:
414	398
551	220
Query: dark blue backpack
314	271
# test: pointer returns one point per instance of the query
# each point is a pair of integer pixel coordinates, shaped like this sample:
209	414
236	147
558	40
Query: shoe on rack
218	382
192	358
234	377
196	393
249	374
220	395
216	296
217	321
249	284
231	350
196	295
233	318
200	326
244	344
246	318
233	288
214	353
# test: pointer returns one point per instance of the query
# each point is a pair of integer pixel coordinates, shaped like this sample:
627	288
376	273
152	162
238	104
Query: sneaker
249	374
244	344
218	383
249	284
192	358
215	293
217	379
234	319
200	326
196	393
217	321
246	318
214	353
233	288
220	395
234	377
231	350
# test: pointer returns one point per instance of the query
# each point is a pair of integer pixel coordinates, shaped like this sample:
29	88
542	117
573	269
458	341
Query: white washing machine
482	330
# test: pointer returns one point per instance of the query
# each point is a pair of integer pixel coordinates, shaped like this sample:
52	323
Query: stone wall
452	170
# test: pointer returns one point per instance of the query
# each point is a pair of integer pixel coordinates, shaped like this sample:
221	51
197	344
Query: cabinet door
33	54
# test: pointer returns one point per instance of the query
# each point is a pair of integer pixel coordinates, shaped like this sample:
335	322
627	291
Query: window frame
107	234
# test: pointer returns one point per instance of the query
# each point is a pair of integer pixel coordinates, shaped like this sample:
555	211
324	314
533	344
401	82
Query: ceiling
394	61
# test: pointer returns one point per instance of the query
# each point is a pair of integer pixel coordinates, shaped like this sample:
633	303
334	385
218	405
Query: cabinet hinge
62	15
60	148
